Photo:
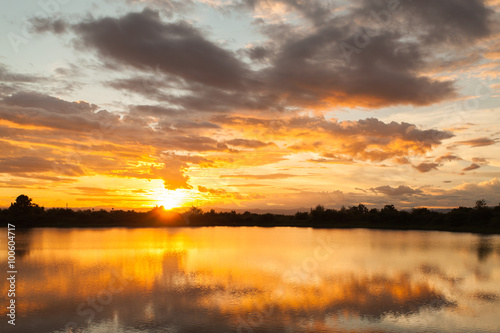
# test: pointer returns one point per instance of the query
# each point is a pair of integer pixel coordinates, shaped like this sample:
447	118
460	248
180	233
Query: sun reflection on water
225	276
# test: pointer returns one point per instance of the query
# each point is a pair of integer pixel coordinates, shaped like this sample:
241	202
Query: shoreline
477	231
479	220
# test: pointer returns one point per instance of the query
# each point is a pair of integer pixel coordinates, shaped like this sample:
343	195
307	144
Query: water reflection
255	280
484	248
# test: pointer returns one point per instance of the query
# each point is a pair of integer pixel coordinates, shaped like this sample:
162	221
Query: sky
250	104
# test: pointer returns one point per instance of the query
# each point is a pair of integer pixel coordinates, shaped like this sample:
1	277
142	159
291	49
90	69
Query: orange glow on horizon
171	199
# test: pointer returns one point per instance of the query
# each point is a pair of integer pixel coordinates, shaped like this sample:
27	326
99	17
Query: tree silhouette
24	206
358	210
480	204
318	212
389	209
195	211
481	218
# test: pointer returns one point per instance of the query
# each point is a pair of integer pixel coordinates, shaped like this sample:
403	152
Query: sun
171	199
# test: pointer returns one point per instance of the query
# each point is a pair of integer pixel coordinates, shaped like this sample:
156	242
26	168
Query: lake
253	280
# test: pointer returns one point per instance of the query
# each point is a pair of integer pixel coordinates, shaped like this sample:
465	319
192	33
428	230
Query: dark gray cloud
31	108
203	98
259	53
455	21
328	67
48	103
347	57
374	52
143	41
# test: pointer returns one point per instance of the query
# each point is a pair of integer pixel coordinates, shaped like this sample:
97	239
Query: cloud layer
373	54
307	99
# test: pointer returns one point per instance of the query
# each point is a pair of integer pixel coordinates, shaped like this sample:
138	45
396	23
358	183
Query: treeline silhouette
480	218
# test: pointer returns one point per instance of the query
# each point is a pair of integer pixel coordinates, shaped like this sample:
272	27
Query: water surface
254	280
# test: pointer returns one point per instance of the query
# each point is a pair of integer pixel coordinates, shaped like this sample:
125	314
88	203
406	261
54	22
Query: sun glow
171	199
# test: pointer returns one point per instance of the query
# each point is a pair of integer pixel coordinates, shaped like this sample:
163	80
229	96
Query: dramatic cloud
311	72
188	104
76	138
368	139
143	41
346	58
360	56
447	21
